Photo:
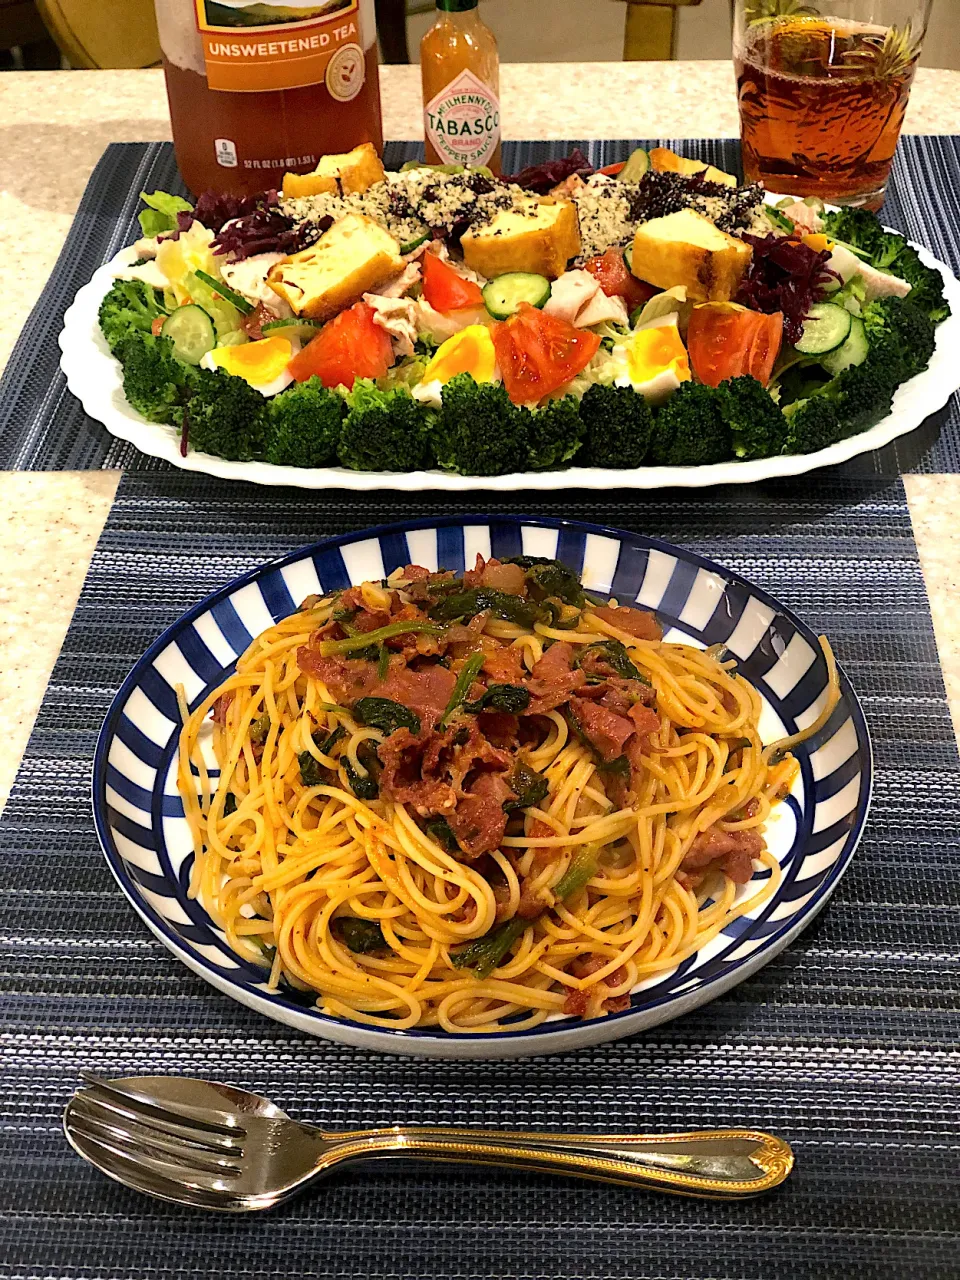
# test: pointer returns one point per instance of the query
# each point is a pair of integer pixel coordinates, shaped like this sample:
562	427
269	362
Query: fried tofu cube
665	161
350	259
354	171
686	248
537	235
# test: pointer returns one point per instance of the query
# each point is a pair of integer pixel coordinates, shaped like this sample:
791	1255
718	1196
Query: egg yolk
653	351
469	351
256	362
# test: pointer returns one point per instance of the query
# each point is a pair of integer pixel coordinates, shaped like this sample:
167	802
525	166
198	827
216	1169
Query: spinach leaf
363	937
500	697
461	688
367	788
530	787
386	715
326	743
439	829
553	578
615	655
311	770
620	767
467	604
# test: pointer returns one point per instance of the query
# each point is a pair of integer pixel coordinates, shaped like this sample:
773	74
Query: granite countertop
54	127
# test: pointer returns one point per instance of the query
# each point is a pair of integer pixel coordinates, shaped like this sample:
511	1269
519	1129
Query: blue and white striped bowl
144	835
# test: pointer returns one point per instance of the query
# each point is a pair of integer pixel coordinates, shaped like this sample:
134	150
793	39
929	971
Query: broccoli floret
303	426
862	394
757	427
384	430
155	382
227	417
888	249
618	426
130	307
900	334
926	283
856	227
689	430
811	425
480	431
554	434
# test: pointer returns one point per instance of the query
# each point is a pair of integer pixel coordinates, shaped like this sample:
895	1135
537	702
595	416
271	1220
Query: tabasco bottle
260	87
460	70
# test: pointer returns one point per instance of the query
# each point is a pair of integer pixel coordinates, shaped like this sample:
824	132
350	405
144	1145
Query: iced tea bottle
460	71
260	87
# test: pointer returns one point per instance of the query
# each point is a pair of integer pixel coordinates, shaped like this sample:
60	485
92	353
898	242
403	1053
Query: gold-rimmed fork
212	1146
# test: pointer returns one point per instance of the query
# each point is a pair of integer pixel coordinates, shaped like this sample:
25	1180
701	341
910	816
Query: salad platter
652	324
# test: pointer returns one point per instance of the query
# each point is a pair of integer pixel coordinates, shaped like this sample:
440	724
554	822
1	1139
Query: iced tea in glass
823	90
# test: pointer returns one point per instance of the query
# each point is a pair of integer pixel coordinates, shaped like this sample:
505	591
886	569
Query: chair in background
24	41
649	34
650	30
103	33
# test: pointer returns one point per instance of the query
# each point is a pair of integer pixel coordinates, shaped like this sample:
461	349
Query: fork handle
725	1164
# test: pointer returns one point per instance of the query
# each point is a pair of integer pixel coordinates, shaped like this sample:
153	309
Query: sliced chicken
878	284
402	283
804	217
248	277
576	297
396	316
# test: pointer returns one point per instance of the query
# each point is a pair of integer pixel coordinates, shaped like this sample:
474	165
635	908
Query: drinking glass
823	89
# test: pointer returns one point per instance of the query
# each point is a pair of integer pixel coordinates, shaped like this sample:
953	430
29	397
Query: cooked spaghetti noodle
581	820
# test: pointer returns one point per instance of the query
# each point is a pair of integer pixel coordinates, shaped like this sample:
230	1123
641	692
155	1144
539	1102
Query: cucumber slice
230	295
190	330
638	162
849	353
415	243
825	329
504	294
628	257
302	330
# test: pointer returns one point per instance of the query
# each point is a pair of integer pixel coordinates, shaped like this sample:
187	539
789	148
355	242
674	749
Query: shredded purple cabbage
542	178
248	225
785	275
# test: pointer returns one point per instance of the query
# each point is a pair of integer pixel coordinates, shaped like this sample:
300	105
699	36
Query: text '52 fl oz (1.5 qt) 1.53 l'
460	70
258	88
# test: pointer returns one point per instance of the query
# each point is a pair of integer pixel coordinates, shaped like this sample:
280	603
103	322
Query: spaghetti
465	802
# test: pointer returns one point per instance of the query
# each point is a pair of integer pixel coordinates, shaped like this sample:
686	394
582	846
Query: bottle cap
456	6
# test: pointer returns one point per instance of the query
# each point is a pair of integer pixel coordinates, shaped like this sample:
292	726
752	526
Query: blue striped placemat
43	428
846	1044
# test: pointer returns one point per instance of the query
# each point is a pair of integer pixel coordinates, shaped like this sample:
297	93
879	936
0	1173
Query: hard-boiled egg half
469	351
263	363
652	361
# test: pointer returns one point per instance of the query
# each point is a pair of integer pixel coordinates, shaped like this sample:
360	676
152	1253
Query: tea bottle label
463	121
255	46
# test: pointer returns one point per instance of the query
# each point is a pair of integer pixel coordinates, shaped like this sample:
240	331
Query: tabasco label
463	121
254	46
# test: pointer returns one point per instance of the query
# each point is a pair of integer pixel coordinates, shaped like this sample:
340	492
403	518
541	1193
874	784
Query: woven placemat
846	1043
43	428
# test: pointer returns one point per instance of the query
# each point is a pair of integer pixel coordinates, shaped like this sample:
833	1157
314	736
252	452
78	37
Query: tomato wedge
350	346
538	353
725	341
444	289
616	280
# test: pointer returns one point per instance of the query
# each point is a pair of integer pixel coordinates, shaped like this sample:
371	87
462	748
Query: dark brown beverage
822	105
267	134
